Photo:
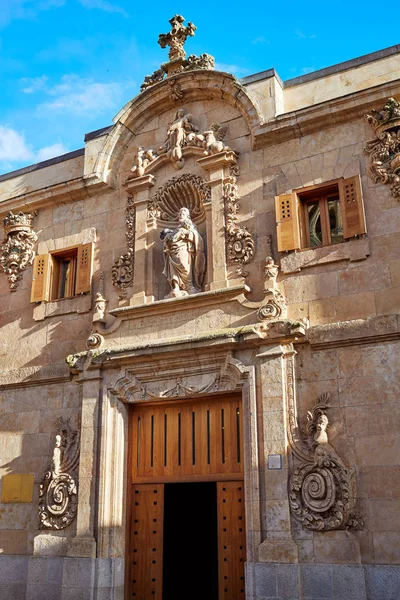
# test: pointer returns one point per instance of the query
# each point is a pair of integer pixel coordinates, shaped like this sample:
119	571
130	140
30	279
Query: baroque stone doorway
175	448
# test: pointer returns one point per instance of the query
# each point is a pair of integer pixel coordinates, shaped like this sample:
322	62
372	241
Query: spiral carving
322	492
58	500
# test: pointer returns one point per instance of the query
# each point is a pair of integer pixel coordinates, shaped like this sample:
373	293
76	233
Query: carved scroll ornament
240	245
181	133
322	491
58	493
384	149
122	269
17	251
176	39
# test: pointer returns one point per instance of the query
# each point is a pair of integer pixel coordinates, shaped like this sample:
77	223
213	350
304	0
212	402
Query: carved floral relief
322	490
58	500
384	149
17	250
122	269
240	245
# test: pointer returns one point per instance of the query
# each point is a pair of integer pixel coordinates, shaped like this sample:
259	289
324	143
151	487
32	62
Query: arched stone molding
165	378
127	388
195	86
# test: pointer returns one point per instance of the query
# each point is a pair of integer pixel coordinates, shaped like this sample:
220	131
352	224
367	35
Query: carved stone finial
322	490
178	63
58	493
16	252
176	38
384	150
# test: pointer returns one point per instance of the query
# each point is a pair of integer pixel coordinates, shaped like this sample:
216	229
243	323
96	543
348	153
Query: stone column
84	544
217	166
277	546
139	189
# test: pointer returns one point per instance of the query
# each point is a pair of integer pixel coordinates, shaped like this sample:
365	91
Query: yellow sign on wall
17	488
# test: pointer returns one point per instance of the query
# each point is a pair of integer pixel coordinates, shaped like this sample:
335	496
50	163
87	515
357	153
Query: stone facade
310	330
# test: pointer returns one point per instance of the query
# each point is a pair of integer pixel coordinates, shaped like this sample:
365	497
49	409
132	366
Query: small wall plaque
17	488
274	462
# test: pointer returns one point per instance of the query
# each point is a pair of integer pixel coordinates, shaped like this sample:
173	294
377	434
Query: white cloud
260	40
13	147
306	70
236	69
16	152
83	96
34	84
104	5
50	151
300	35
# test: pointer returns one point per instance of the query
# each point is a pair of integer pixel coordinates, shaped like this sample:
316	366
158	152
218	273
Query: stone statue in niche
185	263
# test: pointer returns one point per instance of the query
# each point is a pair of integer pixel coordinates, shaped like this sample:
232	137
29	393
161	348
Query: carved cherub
213	139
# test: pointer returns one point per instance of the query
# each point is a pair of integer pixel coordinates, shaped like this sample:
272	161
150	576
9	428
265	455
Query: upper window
62	274
321	215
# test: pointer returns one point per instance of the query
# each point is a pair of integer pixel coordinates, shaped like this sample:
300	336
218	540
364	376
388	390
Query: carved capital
17	250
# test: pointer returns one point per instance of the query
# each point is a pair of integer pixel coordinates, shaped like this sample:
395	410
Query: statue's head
180	113
183	215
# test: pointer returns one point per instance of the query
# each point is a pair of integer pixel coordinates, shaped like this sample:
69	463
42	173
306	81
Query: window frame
292	232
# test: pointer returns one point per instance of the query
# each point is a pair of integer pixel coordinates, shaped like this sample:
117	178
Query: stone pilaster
277	545
139	190
217	166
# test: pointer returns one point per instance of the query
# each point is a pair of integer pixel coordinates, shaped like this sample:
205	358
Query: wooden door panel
231	540
195	440
146	542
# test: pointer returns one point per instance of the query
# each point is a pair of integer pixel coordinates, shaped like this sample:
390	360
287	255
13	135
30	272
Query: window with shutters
62	274
321	215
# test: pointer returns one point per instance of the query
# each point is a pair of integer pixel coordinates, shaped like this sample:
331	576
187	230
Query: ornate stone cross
176	38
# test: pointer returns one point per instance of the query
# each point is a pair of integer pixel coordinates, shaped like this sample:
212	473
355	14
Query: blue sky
68	66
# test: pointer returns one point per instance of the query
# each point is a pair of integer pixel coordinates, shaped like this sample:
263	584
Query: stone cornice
379	329
327	114
68	191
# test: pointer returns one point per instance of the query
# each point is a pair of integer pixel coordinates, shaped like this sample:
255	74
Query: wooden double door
187	513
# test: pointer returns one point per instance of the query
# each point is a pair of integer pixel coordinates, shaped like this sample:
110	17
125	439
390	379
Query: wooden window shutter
41	278
287	222
352	206
84	268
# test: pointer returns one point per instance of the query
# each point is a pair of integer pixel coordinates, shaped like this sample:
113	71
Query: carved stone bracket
58	501
122	270
178	63
17	251
384	150
275	305
240	245
322	491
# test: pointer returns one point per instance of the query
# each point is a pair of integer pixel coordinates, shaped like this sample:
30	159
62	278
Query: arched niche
182	191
